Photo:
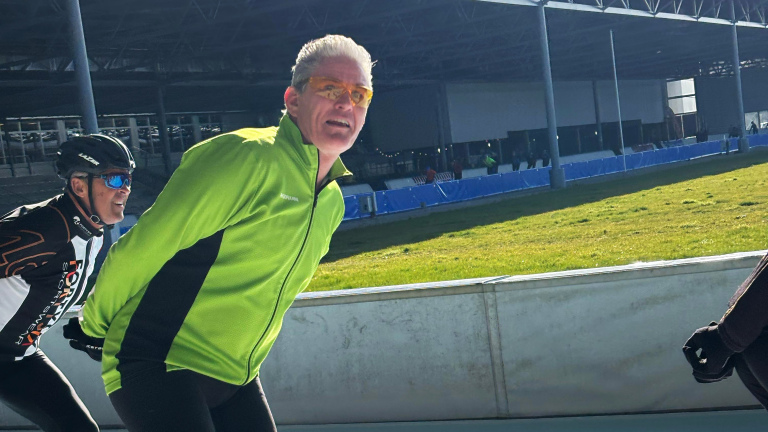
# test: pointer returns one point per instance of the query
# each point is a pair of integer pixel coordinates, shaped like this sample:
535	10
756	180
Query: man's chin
114	219
336	145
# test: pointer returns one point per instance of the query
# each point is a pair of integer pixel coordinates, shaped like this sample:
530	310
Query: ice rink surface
752	420
731	421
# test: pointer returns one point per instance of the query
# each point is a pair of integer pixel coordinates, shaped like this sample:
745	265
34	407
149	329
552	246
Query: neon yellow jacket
203	280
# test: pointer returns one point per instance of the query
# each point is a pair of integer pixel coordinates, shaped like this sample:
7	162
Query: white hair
317	50
77	174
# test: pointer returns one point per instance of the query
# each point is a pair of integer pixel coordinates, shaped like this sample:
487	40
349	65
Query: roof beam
628	10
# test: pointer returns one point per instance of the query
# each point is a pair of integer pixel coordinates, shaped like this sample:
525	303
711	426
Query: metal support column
196	132
40	138
557	174
149	136
743	143
7	135
162	130
180	133
443	140
578	139
665	109
61	131
2	146
598	121
21	141
618	104
82	70
134	131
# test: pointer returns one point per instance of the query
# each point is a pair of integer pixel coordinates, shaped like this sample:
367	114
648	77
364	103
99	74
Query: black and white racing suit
46	256
744	329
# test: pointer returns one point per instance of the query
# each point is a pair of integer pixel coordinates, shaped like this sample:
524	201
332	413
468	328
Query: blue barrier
399	200
392	201
458	190
428	194
351	207
536	177
512	181
758	140
490	185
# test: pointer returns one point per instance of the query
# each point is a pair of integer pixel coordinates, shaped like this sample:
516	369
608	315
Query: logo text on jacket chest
65	289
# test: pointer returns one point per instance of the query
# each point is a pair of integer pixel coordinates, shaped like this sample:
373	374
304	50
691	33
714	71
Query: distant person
458	169
753	128
515	160
489	162
738	341
430	175
531	159
733	132
544	158
191	300
701	136
47	253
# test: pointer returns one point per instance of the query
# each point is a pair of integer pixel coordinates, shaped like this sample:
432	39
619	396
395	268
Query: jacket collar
307	152
78	224
338	170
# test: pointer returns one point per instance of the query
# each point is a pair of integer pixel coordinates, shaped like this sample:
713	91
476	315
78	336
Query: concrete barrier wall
595	341
583	342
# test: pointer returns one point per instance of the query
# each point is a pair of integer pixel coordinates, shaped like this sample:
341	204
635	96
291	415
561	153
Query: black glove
725	373
713	362
81	341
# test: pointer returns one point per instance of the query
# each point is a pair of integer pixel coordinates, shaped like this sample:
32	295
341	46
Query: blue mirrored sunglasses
116	181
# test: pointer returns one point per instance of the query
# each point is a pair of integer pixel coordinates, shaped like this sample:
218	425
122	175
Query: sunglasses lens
116	181
327	89
361	96
333	90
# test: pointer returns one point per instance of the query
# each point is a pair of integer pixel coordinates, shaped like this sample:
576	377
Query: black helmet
93	154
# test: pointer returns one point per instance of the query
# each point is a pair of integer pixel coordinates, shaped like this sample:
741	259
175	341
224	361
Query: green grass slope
712	207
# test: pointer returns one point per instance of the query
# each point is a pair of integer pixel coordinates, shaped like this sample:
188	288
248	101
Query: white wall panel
488	110
640	100
483	111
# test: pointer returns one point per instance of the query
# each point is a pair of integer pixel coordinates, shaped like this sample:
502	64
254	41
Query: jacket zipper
288	275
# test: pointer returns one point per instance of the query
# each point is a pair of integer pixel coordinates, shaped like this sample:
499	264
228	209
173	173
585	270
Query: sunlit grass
712	207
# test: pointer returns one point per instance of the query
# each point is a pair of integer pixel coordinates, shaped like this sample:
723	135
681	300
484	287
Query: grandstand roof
237	54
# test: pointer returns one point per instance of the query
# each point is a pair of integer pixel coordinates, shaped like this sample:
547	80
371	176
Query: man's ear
79	187
291	99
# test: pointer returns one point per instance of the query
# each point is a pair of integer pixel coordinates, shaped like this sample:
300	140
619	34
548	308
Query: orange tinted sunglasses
333	89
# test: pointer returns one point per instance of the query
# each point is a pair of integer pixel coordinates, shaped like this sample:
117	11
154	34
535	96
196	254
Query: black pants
153	400
36	389
752	367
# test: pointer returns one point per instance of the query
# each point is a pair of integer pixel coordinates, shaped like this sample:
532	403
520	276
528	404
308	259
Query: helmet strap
94	216
79	201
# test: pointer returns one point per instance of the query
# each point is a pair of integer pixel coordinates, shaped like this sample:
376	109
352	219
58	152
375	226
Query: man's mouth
338	123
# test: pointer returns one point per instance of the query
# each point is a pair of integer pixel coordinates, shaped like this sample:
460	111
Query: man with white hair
190	301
